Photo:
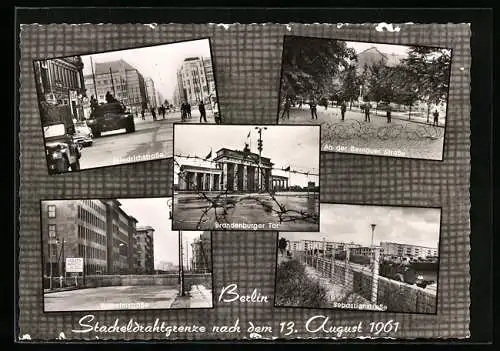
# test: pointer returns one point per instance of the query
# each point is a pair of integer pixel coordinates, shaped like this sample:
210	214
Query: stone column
210	181
204	181
235	177
195	181
245	178
224	176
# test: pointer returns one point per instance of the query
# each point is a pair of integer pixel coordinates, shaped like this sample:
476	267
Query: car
62	151
83	134
110	116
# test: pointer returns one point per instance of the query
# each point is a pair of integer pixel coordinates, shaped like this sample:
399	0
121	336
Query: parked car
62	151
83	134
110	116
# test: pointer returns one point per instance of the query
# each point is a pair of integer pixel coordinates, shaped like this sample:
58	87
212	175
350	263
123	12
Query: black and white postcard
370	98
377	258
121	254
118	107
246	177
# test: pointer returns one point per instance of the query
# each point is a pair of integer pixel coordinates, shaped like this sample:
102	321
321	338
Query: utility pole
50	263
373	230
181	266
93	77
259	147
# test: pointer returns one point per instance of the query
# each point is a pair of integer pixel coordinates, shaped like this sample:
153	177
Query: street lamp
259	147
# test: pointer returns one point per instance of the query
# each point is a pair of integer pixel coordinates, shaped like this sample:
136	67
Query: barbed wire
294	171
222	203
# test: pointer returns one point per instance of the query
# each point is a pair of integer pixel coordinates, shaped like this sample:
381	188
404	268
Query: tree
310	64
350	85
406	85
380	83
282	243
430	68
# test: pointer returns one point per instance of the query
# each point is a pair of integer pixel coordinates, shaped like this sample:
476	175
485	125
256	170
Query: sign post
74	265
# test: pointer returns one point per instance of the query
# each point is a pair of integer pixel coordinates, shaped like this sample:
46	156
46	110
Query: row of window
93	268
92	204
59	75
91	218
87	234
91	252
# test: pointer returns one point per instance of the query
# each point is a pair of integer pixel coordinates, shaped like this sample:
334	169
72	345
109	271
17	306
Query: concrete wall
397	296
95	281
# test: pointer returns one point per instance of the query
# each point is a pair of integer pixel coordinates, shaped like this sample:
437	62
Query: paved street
151	140
401	138
299	212
126	297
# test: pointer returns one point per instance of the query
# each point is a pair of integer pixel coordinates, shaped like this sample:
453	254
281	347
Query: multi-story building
144	263
151	93
320	245
122	80
195	80
99	231
60	82
405	250
201	257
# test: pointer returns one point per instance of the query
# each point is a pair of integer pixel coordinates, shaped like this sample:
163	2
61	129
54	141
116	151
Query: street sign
74	264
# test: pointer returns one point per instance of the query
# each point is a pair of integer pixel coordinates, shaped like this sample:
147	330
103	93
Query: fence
365	281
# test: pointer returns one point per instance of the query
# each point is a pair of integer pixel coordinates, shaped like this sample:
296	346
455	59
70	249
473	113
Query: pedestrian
436	117
286	109
300	104
367	108
203	113
159	111
163	110
343	109
142	114
153	113
183	111
388	113
93	103
312	106
188	109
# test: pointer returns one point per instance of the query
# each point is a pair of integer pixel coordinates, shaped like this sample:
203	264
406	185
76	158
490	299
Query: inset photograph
118	107
121	254
378	258
246	177
370	98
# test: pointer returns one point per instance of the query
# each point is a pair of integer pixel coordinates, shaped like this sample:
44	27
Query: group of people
366	107
186	111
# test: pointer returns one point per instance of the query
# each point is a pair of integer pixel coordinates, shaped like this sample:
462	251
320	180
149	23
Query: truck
62	151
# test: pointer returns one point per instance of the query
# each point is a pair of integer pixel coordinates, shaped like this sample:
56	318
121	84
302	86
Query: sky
159	62
154	212
294	146
346	223
383	48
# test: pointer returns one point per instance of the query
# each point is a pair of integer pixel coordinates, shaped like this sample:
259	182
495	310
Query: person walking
163	110
388	113
203	113
286	109
183	111
343	109
367	108
142	114
436	118
153	113
188	109
312	106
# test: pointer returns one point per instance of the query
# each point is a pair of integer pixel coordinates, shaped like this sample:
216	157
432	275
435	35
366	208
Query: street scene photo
246	177
370	98
121	254
376	258
118	107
